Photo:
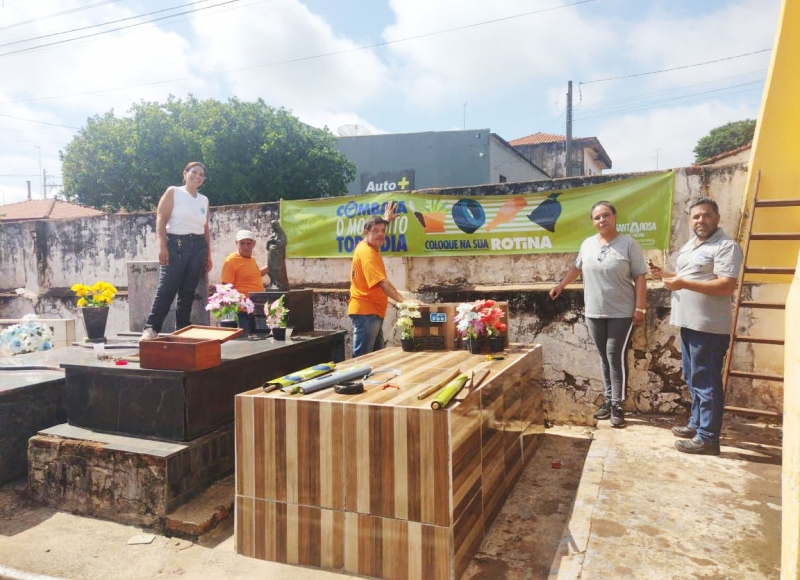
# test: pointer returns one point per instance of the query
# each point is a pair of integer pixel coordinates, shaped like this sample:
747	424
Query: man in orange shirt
241	270
370	289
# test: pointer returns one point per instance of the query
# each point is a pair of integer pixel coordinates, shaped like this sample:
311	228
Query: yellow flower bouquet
98	295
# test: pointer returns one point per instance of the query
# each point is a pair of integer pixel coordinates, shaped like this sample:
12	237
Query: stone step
204	513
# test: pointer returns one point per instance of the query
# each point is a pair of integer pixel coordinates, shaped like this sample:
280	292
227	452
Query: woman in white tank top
184	248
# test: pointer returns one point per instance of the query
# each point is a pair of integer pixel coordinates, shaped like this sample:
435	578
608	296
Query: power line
304	58
633	107
57	14
675	68
40	122
669	103
33	141
23	40
32	48
672	90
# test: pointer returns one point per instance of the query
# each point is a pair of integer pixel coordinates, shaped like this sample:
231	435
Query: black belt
186	235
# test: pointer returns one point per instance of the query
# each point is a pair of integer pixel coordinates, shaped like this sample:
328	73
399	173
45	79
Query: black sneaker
603	411
617	416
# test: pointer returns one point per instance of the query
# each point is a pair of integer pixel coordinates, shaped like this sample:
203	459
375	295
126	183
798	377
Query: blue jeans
187	262
703	355
367	333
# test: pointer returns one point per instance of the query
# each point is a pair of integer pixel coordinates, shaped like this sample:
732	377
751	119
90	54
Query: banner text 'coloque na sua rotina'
430	225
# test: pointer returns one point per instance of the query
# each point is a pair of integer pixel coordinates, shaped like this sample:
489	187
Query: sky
388	66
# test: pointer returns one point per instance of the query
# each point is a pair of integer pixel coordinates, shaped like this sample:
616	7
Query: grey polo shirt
718	257
608	274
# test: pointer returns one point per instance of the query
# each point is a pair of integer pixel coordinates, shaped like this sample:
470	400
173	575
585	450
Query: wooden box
436	329
379	483
194	348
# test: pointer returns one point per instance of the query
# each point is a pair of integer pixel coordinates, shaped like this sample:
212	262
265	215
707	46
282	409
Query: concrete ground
593	504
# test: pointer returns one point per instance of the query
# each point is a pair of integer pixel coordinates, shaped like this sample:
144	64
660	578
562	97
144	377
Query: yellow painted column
776	147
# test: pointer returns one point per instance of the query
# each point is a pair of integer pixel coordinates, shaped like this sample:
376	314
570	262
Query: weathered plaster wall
48	257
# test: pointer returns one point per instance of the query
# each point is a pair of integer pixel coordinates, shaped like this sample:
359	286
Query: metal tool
395	373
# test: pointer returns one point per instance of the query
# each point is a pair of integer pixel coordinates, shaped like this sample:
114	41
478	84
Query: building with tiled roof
738	155
548	151
44	209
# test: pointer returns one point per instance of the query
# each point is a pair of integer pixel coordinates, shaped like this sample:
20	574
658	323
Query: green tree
725	138
252	152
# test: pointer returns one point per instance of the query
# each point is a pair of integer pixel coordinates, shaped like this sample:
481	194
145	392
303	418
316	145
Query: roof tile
537	138
41	209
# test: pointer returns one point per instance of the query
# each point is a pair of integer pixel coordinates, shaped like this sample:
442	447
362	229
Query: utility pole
29	189
568	160
40	166
658	151
465	116
44	184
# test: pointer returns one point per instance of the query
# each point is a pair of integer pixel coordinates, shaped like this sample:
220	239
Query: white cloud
502	56
633	141
279	31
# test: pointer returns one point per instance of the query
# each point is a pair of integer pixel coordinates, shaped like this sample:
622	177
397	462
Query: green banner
431	225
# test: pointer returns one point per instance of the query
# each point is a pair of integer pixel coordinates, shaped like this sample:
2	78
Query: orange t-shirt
366	272
243	273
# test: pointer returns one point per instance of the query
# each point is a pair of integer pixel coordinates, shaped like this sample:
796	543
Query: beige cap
245	235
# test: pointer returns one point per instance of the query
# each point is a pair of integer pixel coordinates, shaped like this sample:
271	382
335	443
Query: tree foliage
725	138
252	152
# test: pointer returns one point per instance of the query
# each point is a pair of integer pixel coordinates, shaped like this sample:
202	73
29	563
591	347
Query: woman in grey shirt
614	291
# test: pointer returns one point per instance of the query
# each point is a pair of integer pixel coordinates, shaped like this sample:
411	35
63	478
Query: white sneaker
148	334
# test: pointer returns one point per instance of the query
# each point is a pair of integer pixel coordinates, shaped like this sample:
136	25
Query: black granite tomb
180	406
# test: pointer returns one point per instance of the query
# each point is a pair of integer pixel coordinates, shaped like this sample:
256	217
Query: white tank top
189	214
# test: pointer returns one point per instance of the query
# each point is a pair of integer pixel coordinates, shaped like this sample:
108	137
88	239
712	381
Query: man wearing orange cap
241	270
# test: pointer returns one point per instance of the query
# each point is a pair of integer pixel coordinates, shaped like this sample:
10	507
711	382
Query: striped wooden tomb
379	483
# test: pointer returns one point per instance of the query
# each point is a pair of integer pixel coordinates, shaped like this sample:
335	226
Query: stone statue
276	258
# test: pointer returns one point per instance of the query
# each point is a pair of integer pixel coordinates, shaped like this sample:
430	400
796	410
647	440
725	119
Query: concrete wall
592	164
548	156
506	161
48	257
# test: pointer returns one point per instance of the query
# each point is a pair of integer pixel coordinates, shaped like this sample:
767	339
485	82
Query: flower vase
474	345
497	343
94	321
407	344
279	333
229	320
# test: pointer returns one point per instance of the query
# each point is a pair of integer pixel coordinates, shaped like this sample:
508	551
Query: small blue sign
438	317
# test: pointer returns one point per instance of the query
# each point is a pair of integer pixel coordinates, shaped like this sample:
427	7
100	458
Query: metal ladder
756	204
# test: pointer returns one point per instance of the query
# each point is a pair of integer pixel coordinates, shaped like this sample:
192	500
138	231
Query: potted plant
277	315
27	336
226	303
406	313
491	317
469	325
93	302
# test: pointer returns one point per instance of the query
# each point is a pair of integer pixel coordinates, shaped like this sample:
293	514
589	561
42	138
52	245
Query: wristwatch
642	310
